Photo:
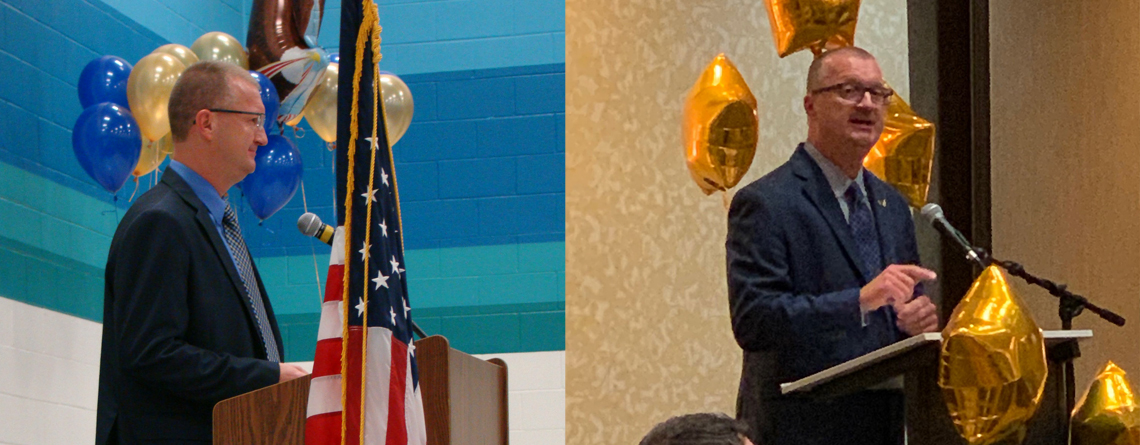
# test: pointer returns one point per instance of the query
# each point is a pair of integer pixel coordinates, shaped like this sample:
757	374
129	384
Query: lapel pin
883	202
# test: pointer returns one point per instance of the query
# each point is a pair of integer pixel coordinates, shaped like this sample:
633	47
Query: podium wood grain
274	414
465	398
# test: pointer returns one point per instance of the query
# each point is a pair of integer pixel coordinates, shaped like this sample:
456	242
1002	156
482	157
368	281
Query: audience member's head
698	429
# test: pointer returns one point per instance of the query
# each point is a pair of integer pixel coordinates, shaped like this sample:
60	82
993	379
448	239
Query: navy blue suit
178	334
794	276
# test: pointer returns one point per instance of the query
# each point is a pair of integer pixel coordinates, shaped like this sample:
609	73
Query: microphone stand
1069	306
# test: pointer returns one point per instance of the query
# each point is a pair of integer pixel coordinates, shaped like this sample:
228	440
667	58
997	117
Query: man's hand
916	316
290	372
894	284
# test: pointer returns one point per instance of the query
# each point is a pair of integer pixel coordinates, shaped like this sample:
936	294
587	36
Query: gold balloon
904	155
153	153
992	367
320	110
1107	414
720	127
180	52
398	106
218	45
815	24
148	92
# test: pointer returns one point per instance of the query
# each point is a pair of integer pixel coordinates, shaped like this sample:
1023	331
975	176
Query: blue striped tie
245	268
863	228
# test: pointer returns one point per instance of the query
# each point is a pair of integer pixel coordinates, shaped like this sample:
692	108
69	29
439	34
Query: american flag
365	383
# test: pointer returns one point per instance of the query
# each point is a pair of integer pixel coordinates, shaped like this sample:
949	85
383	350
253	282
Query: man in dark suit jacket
186	320
822	267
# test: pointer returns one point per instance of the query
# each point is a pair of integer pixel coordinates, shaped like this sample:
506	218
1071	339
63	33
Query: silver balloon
398	105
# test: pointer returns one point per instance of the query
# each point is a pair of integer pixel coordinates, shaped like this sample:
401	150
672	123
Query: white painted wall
49	382
49	376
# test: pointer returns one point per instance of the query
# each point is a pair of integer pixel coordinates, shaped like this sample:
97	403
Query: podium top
899	349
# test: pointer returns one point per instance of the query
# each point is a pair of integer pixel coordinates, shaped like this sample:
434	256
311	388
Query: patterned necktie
245	268
863	228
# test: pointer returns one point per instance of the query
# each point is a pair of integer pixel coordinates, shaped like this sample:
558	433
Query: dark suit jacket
793	280
178	334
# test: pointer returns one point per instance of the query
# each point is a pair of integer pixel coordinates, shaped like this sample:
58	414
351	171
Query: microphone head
309	224
932	212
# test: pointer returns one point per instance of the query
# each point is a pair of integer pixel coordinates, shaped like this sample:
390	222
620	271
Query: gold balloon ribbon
992	368
720	127
152	154
1107	414
815	24
904	155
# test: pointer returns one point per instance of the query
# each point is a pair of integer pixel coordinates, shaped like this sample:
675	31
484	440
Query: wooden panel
275	414
431	356
475	389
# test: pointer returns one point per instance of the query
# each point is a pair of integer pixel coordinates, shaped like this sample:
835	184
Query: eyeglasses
260	116
854	92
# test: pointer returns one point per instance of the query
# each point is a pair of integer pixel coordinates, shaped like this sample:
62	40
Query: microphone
933	213
310	224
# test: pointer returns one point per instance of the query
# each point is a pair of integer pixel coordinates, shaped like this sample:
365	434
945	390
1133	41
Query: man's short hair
815	71
697	429
203	85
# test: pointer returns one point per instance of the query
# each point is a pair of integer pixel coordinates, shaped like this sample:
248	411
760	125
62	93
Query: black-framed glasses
853	92
260	116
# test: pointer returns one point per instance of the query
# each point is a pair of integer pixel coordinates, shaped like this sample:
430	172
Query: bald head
819	68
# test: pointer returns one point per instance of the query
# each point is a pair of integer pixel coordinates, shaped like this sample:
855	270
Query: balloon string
136	190
316	268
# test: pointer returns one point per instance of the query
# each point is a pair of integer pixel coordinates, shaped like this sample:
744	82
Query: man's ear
204	121
809	104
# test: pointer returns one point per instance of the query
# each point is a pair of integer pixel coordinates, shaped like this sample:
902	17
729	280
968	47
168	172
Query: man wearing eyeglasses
186	320
822	267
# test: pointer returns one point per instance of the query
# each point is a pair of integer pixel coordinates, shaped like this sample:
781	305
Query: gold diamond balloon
992	368
904	155
815	24
1107	414
720	127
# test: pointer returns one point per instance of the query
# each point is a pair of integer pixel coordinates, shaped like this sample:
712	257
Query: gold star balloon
720	126
904	155
815	24
1107	414
992	367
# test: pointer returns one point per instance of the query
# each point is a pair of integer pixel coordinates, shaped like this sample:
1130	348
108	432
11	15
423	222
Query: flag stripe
324	395
414	411
353	380
323	429
330	327
327	360
335	280
376	417
397	429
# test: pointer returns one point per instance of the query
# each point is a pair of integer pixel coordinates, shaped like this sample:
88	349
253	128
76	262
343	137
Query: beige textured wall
1065	115
647	330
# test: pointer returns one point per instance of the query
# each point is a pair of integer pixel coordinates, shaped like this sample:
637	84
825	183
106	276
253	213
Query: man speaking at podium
186	321
822	267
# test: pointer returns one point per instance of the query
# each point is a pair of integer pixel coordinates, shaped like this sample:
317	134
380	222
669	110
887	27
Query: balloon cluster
124	129
320	108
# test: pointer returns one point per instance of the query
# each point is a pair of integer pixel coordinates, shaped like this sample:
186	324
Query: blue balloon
269	99
104	80
276	177
107	142
334	57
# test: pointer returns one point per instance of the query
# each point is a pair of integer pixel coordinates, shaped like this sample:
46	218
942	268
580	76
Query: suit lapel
818	191
202	215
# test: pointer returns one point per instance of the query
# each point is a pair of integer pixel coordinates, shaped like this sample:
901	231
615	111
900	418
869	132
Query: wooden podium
465	402
927	418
